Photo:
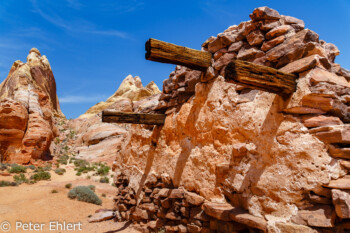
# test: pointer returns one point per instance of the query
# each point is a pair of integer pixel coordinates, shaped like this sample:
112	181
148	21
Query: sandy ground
36	204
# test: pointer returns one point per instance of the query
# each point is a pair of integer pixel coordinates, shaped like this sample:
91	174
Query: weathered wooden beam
112	116
164	52
260	77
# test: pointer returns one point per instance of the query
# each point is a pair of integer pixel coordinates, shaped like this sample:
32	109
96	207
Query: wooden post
112	116
164	52
260	77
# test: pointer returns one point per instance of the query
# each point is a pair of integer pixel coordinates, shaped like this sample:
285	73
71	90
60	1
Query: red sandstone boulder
263	13
267	25
292	49
219	211
291	20
278	31
341	201
13	123
255	38
272	43
318	121
316	216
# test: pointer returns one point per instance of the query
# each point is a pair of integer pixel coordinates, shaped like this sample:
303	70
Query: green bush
63	159
104	180
78	174
57	141
60	171
54	191
82	166
68	186
103	170
43	169
4	183
21	178
84	169
71	134
81	163
32	167
17	169
42	175
85	194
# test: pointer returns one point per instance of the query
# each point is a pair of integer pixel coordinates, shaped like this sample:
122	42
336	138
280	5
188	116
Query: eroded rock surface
275	158
28	108
129	91
97	141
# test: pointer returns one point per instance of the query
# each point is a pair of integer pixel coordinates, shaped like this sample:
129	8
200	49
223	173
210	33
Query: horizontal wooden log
112	116
164	52
260	77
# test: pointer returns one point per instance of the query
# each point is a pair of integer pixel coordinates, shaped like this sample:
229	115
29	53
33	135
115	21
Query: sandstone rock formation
260	161
129	91
28	106
97	141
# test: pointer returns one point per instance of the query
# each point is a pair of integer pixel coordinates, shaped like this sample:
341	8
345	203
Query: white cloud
78	25
109	33
74	99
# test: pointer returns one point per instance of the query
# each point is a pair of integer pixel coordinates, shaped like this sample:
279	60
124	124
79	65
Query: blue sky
92	45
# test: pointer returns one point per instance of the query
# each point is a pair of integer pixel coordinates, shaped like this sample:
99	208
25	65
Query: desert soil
36	204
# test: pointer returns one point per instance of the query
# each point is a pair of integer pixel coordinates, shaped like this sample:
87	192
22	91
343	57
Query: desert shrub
3	166
32	167
68	186
71	134
103	170
42	175
104	180
4	183
21	178
43	169
54	191
103	195
84	169
82	166
60	171
81	163
57	141
78	174
17	169
63	159
85	194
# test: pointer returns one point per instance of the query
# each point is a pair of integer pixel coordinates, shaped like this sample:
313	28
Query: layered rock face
129	91
28	106
97	141
256	158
